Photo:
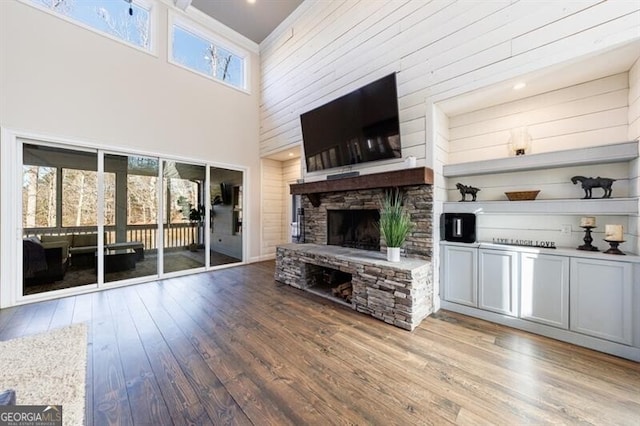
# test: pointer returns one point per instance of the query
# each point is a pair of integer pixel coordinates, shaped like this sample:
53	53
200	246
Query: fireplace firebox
354	228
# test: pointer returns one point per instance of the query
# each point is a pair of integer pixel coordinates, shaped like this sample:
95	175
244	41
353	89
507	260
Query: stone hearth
397	293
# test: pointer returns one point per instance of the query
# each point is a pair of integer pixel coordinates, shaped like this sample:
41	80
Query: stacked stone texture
396	293
418	200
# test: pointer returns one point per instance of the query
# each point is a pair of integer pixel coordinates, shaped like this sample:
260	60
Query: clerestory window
126	21
194	49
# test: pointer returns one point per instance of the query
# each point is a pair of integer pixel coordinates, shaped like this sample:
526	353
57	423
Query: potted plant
196	215
395	223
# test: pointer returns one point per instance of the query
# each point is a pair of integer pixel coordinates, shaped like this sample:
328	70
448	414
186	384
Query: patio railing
177	235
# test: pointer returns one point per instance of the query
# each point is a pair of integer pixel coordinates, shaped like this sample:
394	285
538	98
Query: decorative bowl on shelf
522	195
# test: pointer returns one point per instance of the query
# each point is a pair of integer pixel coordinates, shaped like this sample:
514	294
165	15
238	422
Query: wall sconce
520	141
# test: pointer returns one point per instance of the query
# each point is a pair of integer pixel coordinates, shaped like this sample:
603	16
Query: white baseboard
262	258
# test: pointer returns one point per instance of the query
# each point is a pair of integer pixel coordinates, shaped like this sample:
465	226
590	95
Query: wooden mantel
405	177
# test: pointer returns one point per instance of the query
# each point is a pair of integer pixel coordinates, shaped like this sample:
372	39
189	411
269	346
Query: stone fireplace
356	228
398	293
418	200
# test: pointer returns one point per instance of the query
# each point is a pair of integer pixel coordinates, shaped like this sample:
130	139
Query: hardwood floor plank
145	398
233	372
180	397
6	316
234	347
82	308
214	397
19	322
110	399
332	368
63	315
41	319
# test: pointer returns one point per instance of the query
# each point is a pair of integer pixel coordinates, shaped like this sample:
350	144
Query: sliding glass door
130	217
226	215
91	217
59	218
183	187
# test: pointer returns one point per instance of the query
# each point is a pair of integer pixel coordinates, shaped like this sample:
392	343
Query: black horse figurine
464	190
589	183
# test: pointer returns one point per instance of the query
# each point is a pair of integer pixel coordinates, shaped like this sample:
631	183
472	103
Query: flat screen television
356	128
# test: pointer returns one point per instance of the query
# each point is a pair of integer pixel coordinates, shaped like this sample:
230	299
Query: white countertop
560	251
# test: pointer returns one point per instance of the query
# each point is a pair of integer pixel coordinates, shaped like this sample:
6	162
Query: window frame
200	31
150	6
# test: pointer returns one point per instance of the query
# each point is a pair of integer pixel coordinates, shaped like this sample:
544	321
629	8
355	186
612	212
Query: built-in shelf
613	153
595	206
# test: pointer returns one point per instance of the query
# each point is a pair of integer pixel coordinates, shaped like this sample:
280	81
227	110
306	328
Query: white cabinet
544	289
460	270
585	298
602	299
498	281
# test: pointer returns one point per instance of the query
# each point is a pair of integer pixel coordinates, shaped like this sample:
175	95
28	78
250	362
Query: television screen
355	128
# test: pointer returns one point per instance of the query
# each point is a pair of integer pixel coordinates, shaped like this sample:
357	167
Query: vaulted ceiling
253	20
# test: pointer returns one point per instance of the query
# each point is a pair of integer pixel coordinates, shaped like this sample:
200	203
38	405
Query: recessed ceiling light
251	1
520	85
291	153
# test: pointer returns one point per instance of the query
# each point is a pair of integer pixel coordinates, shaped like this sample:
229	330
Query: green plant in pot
196	216
395	223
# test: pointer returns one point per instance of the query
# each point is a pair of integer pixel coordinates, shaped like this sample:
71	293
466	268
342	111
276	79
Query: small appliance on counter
458	227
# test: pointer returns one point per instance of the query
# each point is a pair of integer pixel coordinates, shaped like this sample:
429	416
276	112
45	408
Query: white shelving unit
612	206
613	153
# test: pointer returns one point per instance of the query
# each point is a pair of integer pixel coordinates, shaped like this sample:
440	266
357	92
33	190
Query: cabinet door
601	299
544	289
498	281
460	270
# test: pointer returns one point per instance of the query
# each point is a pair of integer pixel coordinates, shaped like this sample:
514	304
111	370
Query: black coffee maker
458	227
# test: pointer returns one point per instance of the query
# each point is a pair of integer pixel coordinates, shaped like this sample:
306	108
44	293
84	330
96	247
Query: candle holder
614	247
588	239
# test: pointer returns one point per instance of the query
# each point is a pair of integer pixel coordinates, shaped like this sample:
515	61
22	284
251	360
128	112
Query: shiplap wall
276	203
272	202
634	134
588	114
439	49
327	49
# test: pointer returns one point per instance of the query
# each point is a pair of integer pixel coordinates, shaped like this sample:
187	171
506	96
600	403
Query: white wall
273	207
62	80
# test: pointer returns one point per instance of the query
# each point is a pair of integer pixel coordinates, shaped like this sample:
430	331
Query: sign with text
31	415
525	243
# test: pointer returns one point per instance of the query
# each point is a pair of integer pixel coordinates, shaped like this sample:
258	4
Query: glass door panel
130	217
183	186
59	218
225	187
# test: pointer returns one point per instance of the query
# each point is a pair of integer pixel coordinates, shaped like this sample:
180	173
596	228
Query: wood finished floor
235	347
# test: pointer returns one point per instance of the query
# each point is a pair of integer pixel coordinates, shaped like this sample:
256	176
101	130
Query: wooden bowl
522	195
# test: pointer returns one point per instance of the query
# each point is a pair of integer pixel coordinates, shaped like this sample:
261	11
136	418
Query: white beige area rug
48	369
